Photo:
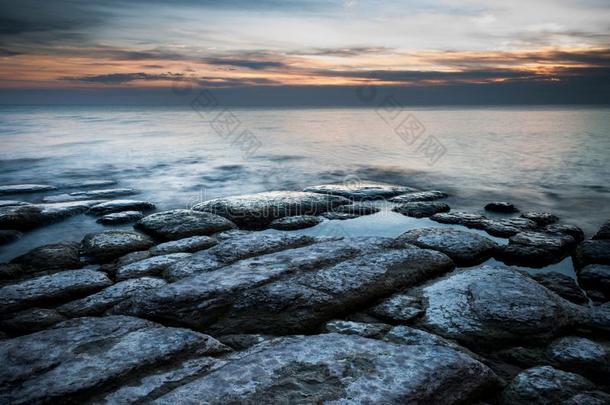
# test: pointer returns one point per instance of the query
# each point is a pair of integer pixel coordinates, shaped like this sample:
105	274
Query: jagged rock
185	245
596	277
339	368
398	308
562	285
109	207
81	356
296	222
544	385
580	355
592	252
536	249
90	195
360	190
179	224
52	288
603	232
421	209
32	320
464	248
541	218
96	304
152	266
12	203
106	246
501	206
419	196
25	188
358	209
57	256
566	229
491	305
258	210
368	330
120	217
8	236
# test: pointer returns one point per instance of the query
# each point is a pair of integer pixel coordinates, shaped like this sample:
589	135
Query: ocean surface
539	158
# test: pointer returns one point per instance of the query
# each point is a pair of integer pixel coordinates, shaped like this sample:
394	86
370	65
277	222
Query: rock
596	277
604	231
179	224
25	188
541	218
419	196
57	256
10	271
32	320
106	246
186	245
296	222
231	233
52	212
258	210
52	288
112	206
571	230
120	217
91	183
536	249
21	218
335	368
12	203
589	398
505	227
580	355
8	236
243	341
90	195
339	216
368	330
599	318
592	252
361	190
494	305
133	257
544	385
358	209
96	304
464	248
399	308
459	218
86	355
562	285
406	335
153	266
421	209
501	206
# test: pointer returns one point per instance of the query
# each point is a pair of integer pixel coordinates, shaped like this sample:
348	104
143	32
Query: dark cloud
8	52
119	78
346	52
245	63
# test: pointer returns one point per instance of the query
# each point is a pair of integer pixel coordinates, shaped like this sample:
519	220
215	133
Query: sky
318	51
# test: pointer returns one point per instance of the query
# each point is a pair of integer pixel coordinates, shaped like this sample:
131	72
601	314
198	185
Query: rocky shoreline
228	302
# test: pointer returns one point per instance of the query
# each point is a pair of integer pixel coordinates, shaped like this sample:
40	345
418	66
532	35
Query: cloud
244	63
120	78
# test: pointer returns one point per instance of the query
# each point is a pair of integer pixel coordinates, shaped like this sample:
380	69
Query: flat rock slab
79	357
502	227
185	245
339	368
152	266
360	190
295	222
123	217
536	249
179	224
494	305
562	285
57	256
90	195
567	229
596	277
603	232
108	207
358	209
592	252
27	217
421	209
25	188
541	218
52	288
258	210
464	248
31	320
580	355
501	206
419	196
106	246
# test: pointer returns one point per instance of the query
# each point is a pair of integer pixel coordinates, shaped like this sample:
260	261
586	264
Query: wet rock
368	330
501	206
536	249
25	188
32	320
419	196
604	231
179	224
339	216
231	233
243	341
106	246
562	285
464	248
258	210
596	277
589	398
97	303
52	212
592	252
52	288
571	230
493	305
186	245
399	308
524	357
296	222
57	256
544	385
133	257
580	355
339	368
12	203
123	217
21	218
459	218
599	318
505	227
153	266
358	209
8	236
406	335
421	209
361	190
11	271
91	183
84	355
541	218
90	195
109	207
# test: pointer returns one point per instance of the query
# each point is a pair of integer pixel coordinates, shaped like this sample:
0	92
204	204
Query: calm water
552	159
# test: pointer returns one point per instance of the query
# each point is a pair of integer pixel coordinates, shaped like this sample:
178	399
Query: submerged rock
339	368
120	218
536	249
419	196
179	224
258	210
57	256
541	218
112	206
106	246
501	206
361	190
596	277
25	188
90	195
562	285
31	320
185	245
464	248
8	236
295	222
12	203
603	232
152	266
421	209
91	183
592	252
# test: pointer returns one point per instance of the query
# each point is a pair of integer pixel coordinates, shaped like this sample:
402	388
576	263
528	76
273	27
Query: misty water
543	159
